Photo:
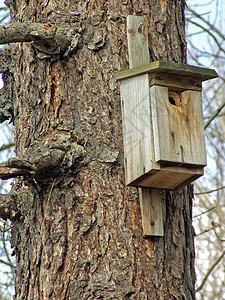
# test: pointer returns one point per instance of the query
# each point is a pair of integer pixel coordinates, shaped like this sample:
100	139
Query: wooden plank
178	127
137	127
137	35
169	178
151	211
169	68
176	82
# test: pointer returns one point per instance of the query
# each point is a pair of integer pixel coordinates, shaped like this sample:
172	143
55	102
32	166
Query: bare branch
214	115
210	191
6	229
5	147
206	230
4	17
209	271
7	252
209	33
213	28
7	263
204	212
8	172
18	32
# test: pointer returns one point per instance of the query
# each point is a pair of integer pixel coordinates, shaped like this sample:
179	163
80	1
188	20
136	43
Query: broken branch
7	172
50	39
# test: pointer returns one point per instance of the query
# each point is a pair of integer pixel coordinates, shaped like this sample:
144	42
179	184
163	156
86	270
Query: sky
211	10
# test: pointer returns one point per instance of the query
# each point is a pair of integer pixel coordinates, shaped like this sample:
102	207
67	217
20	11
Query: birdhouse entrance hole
174	98
171	100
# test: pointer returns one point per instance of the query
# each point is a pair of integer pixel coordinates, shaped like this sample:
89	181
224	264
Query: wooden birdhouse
163	134
163	131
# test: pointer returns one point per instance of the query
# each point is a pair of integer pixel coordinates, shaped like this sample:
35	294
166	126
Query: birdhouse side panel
178	127
137	127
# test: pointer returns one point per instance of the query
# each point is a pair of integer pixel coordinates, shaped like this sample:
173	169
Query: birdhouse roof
158	67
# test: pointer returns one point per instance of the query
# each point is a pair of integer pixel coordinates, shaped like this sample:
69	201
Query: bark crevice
8	207
6	93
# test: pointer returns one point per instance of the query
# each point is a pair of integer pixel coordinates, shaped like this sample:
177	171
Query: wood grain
137	126
169	178
151	211
137	36
162	67
178	128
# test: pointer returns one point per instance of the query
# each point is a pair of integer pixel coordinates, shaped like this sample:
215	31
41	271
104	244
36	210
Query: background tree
76	227
205	24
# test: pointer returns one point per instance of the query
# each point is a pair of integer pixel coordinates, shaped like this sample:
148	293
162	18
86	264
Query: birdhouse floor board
170	178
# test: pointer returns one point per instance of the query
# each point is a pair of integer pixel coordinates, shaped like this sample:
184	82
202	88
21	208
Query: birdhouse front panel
177	127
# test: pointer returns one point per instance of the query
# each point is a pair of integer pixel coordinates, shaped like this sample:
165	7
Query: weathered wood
137	36
169	68
168	178
178	128
137	128
151	211
143	166
162	119
175	82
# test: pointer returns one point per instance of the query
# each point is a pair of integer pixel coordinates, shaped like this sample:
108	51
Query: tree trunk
77	230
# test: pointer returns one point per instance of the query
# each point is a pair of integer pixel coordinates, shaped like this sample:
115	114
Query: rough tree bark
77	230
